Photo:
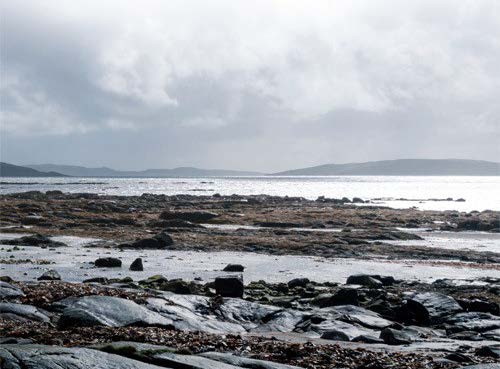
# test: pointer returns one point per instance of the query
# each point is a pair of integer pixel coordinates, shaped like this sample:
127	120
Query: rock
344	296
364	280
160	241
477	322
357	200
396	337
50	275
298	282
489	351
34	240
8	291
190	216
174	223
30	356
108	311
367	339
245	362
432	307
108	262
482	366
33	220
101	280
229	286
10	311
279	225
361	316
476	305
233	268
136	265
335	335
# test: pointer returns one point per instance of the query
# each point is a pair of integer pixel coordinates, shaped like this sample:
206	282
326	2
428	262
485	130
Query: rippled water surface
480	193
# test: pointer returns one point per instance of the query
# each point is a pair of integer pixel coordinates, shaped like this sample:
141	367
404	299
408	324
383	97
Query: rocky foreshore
368	321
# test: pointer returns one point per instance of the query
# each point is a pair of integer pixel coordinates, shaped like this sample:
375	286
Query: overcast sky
258	85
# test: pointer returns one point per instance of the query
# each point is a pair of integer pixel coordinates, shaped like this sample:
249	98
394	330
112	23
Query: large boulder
160	241
20	312
108	262
432	307
230	286
136	265
233	268
109	311
298	282
8	291
190	216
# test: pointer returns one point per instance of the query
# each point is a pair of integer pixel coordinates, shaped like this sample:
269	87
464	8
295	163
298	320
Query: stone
190	216
108	311
361	316
50	275
344	296
8	291
31	356
482	366
160	241
397	337
364	338
10	311
136	265
432	307
231	286
34	240
108	262
364	280
489	351
477	322
233	268
335	335
245	362
298	282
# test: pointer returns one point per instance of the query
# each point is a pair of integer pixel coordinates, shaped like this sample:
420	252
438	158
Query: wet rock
190	216
432	307
476	305
8	291
489	351
245	362
229	286
50	357
364	338
233	268
34	240
397	337
477	322
101	280
108	262
482	366
361	316
50	275
335	335
33	220
136	265
364	280
160	241
344	296
109	311
357	200
10	311
298	282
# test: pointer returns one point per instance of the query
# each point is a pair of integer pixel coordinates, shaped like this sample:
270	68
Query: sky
254	85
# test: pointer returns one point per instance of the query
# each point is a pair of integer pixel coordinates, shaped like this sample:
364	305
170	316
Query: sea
477	193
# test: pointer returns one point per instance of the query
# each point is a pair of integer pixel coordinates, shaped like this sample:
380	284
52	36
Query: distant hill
10	170
78	171
402	167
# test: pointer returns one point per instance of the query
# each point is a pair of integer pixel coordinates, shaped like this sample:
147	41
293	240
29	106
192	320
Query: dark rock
244	362
458	357
136	265
477	322
233	268
357	200
229	286
298	282
34	240
364	280
367	339
108	262
50	275
109	311
9	311
344	296
174	223
432	307
190	216
335	335
279	225
101	280
8	291
489	351
476	305
397	337
361	316
160	241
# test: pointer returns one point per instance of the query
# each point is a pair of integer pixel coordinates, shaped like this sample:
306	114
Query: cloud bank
264	85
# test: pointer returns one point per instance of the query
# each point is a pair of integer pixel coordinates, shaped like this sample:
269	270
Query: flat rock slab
49	357
246	362
362	316
108	311
22	312
8	291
